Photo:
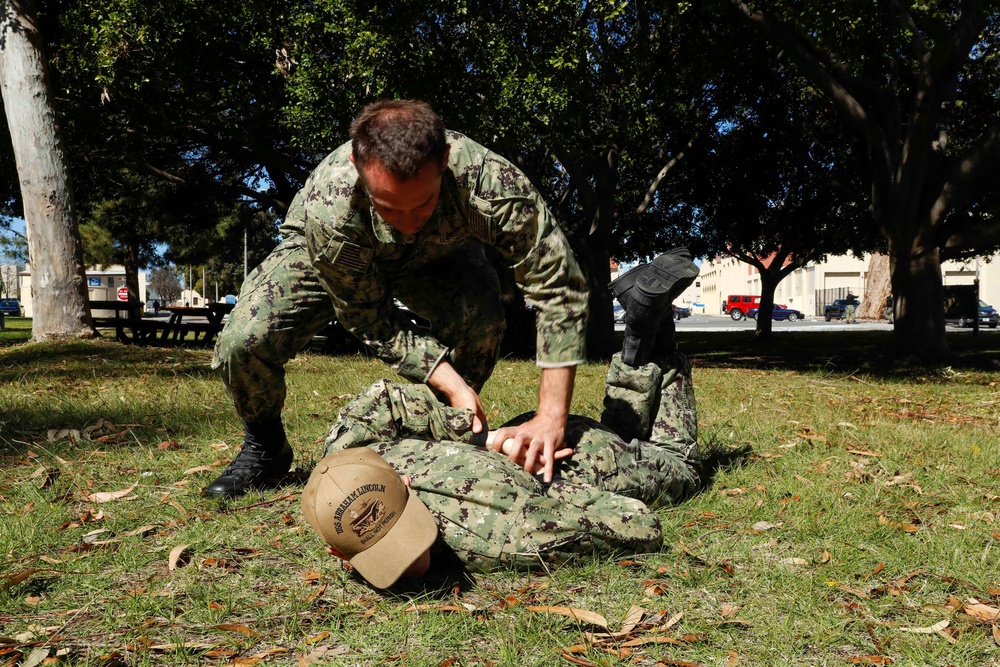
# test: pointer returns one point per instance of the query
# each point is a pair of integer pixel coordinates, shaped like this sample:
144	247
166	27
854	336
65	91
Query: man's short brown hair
400	135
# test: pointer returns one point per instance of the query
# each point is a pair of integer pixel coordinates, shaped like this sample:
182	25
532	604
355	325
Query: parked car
779	313
988	317
10	307
739	305
838	308
619	312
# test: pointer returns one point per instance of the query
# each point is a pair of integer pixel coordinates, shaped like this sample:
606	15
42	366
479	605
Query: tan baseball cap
362	508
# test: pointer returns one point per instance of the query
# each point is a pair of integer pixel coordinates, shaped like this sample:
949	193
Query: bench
130	328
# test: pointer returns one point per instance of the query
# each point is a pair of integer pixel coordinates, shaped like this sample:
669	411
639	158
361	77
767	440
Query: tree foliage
918	83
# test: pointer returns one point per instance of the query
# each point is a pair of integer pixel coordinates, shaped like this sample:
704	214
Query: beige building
808	289
103	283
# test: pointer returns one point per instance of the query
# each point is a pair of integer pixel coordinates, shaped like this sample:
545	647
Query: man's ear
351	158
336	553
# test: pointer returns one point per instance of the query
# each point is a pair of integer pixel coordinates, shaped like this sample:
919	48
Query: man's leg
460	296
281	307
654	402
647	293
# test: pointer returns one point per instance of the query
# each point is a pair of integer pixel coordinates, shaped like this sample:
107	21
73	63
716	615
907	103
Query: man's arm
544	434
446	380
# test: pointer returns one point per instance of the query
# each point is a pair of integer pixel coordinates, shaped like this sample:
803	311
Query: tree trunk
765	325
878	287
131	264
917	286
597	263
58	284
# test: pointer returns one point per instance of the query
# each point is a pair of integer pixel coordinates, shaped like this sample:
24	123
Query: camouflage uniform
338	257
492	513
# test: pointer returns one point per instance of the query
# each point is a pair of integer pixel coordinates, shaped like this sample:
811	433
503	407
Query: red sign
123	294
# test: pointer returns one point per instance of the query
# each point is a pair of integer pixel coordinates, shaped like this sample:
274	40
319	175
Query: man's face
405	205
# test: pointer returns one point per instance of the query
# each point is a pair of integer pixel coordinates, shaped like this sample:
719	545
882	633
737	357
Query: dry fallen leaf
178	557
980	611
582	615
728	610
108	496
870	660
633	618
761	526
642	641
14	579
579	661
191	471
802	562
236	627
929	630
654	588
864	452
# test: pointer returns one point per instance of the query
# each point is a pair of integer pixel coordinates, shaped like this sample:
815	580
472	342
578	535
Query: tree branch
263	198
667	168
975	168
917	42
983	235
809	61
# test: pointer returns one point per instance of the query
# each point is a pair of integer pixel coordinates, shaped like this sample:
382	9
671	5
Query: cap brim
413	533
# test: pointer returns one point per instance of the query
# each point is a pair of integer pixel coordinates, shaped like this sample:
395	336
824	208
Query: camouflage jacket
491	512
484	197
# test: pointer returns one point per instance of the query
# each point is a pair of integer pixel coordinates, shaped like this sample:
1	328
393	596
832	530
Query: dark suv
10	307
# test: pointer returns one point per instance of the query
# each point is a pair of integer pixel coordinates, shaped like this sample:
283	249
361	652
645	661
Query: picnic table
142	331
205	320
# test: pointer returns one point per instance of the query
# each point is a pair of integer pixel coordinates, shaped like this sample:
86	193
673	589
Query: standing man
403	212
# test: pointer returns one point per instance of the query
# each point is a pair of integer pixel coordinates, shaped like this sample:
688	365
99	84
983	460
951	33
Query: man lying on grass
461	493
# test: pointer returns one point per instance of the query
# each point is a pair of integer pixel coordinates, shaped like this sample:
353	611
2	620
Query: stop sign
123	294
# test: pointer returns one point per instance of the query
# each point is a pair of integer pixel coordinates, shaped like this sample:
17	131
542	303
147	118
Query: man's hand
448	382
518	455
538	442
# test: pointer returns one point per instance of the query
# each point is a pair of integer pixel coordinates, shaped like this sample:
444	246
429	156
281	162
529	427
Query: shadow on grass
79	358
850	352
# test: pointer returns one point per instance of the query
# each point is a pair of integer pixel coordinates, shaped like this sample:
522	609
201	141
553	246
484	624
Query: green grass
870	505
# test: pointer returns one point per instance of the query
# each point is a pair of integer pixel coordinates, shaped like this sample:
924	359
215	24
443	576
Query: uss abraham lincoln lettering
357	493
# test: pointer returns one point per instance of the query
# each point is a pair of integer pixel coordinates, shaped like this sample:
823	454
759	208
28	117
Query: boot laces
249	460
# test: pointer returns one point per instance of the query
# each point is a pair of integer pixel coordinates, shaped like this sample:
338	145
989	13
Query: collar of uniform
386	233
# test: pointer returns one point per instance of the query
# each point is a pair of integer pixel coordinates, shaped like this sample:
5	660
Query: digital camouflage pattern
492	513
339	258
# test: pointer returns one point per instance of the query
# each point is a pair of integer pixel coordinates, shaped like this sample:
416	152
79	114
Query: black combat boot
264	458
646	293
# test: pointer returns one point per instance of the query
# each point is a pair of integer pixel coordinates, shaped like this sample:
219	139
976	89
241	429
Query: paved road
725	323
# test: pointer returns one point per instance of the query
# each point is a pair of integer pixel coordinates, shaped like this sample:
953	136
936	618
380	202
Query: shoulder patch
481	220
352	257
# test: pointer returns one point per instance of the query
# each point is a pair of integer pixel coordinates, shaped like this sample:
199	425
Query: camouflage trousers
492	513
282	306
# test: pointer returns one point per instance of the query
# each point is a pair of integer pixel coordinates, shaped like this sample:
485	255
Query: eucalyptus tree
918	83
58	286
